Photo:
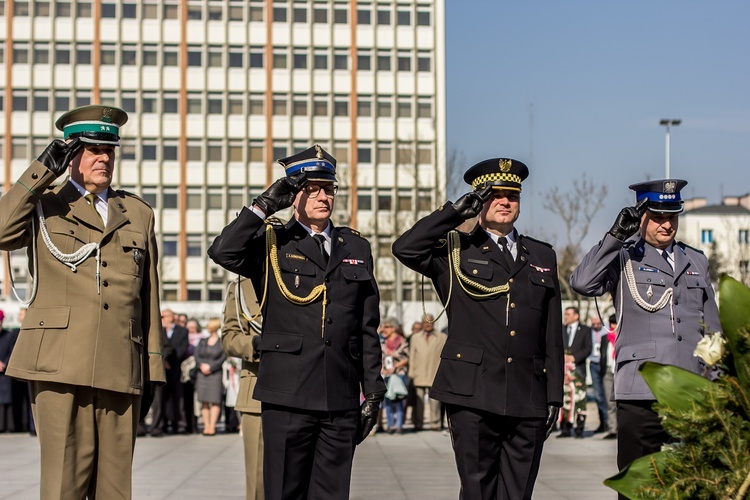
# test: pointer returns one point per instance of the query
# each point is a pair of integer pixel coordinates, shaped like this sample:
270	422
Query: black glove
256	346
368	414
552	413
280	194
628	221
58	155
470	204
149	390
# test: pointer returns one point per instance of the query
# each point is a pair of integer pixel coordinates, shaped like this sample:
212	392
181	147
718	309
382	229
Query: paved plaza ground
412	466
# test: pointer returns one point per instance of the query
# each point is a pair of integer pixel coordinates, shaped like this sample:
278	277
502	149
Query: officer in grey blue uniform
664	302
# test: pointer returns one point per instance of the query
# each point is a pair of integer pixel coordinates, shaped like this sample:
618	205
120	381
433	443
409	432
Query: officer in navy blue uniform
319	344
501	370
663	297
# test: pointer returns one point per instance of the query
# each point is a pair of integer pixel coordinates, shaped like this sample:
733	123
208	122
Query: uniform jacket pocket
42	339
131	260
459	365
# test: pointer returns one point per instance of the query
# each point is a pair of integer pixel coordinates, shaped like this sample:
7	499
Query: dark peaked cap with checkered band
501	173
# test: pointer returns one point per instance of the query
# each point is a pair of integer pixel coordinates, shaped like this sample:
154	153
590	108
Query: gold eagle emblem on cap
670	187
107	114
318	152
505	165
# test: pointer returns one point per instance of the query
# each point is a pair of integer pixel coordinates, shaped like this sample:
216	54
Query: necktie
91	198
506	252
665	255
320	240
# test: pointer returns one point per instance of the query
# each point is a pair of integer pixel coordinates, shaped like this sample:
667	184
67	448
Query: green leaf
639	474
675	387
734	313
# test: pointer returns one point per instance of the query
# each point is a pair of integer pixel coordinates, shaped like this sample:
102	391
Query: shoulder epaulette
348	230
536	240
274	221
133	195
685	245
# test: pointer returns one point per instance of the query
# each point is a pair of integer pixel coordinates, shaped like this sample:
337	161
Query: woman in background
395	364
209	357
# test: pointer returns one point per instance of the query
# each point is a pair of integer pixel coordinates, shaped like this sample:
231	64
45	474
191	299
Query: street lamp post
667	123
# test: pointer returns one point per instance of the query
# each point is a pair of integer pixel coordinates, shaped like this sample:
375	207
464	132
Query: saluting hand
58	154
280	194
470	204
628	221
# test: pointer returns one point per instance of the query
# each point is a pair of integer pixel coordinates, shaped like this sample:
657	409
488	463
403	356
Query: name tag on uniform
295	256
693	273
541	269
648	269
354	262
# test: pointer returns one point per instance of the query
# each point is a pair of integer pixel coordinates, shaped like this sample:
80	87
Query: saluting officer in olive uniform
501	370
91	340
663	297
241	324
319	345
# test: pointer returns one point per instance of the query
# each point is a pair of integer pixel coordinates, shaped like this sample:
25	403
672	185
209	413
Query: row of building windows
743	236
318	13
254	104
238	151
220	56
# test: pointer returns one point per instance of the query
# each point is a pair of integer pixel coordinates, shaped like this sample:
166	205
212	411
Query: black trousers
308	454
639	431
497	457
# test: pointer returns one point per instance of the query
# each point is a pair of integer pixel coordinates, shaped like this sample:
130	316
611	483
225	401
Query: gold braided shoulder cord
454	268
272	256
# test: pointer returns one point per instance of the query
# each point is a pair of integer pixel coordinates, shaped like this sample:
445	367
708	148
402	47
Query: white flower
711	348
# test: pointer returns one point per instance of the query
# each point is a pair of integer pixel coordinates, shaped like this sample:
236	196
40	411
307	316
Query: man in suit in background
577	341
319	346
607	369
241	324
662	292
501	372
90	341
168	408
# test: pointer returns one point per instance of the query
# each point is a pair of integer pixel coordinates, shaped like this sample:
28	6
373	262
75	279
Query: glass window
215	13
148	104
171	57
41	101
364	201
62	9
18	150
149	195
256	152
194	106
171	11
424	156
320	15
743	236
320	61
169	105
404	110
423	18
20	53
84	9
149	11
62	55
403	18
149	56
235	105
215	105
194	201
404	63
214	201
169	243
236	13
385	201
236	57
384	62
364	108
404	202
256	58
363	16
279	14
384	154
424	201
299	108
320	108
364	62
128	56
279	106
194	57
109	10
279	151
384	109
256	14
364	155
215	152
129	11
424	64
127	151
169	152
194	152
41	53
20	100
256	106
299	15
107	55
195	12
424	110
215	59
707	236
340	16
83	55
300	60
62	102
20	9
384	17
279	60
148	152
127	103
235	152
341	108
41	9
340	61
83	99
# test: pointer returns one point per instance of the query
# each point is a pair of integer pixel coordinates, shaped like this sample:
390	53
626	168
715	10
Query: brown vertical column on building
182	198
8	109
96	48
353	114
269	92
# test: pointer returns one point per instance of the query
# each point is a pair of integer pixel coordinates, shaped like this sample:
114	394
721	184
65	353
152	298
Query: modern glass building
217	90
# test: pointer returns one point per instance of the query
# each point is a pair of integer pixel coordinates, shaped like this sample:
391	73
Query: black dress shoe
610	435
600	429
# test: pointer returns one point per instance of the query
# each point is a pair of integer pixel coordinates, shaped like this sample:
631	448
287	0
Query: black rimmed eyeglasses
313	190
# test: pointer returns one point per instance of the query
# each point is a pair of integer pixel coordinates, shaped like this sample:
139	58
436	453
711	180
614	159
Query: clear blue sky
599	76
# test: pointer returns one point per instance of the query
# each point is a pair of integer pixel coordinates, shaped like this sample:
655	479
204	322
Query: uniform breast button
277	346
679	338
329	320
474	271
105	283
649	280
106	306
328	342
542	280
458	356
633	354
41	323
523	259
679	320
510	280
296	270
512	305
34	175
512	333
676	303
510	360
134	243
104	263
72	232
355	276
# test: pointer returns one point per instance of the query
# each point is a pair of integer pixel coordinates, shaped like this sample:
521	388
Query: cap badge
670	187
318	152
505	165
107	115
